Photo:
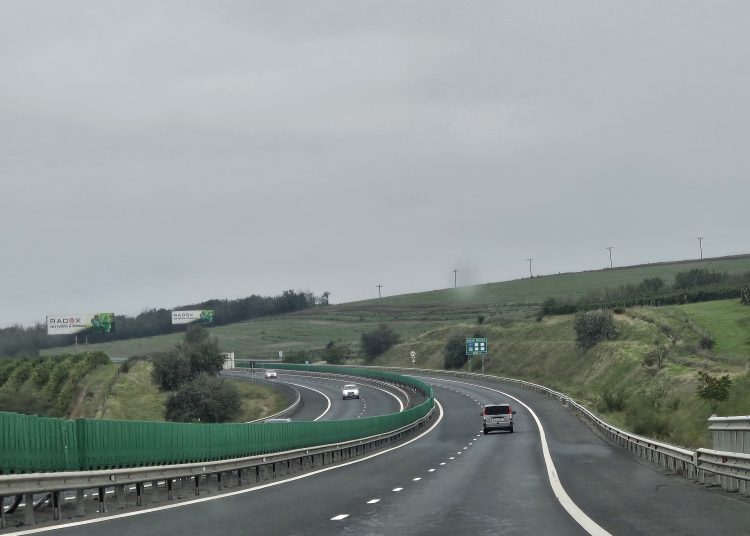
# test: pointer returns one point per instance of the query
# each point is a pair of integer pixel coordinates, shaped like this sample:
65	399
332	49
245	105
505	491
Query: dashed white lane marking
431	471
442	463
416	479
580	517
452	458
397	489
373	501
339	517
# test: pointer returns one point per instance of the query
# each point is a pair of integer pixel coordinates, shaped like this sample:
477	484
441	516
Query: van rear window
497	410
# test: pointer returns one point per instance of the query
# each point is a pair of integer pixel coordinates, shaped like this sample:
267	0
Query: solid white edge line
319	392
400	403
580	517
231	493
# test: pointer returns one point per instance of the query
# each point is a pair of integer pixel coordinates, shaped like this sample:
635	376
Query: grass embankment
134	396
615	378
107	392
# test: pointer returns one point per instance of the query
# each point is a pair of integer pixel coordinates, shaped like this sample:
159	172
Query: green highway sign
476	346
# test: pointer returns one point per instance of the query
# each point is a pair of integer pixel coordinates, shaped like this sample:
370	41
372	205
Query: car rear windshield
497	410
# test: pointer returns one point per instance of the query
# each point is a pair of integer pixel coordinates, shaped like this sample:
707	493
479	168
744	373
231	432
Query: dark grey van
497	417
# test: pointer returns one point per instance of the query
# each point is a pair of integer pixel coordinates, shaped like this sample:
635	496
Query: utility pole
700	245
610	248
379	287
455	277
531	274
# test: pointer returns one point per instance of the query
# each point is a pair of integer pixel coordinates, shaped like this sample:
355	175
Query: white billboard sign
205	316
71	324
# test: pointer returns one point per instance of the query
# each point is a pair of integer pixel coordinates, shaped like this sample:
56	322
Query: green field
523	295
409	314
263	338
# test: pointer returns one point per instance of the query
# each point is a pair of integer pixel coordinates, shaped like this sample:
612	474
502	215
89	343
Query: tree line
27	341
689	286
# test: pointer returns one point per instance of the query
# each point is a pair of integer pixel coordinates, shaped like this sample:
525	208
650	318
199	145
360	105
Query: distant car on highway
271	374
497	417
350	391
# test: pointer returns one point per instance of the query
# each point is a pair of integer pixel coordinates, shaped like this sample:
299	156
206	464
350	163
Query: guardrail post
2	512
139	493
81	502
218	481
56	505
120	496
170	493
197	480
28	499
102	500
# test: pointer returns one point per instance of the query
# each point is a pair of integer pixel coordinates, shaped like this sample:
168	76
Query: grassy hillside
616	377
263	338
410	314
522	295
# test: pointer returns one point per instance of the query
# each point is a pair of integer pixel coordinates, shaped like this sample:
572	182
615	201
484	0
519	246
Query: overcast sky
154	154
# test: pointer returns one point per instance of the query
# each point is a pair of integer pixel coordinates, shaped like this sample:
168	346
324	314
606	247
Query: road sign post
476	346
413	356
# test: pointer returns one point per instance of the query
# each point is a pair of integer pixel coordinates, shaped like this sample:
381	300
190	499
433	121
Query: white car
350	391
271	374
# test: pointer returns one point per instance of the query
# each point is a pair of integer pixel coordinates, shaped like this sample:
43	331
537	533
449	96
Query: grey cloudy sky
161	153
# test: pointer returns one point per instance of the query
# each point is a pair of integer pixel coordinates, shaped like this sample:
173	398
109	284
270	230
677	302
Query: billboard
79	323
205	316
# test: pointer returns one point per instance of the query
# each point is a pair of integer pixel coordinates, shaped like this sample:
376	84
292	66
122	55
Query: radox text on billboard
205	316
79	323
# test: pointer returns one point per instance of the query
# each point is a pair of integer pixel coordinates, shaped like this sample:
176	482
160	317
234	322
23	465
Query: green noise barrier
31	444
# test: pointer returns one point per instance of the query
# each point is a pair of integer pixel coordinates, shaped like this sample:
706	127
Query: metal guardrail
731	470
27	487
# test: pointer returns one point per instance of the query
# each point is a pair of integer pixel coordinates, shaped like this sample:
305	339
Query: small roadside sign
476	346
281	354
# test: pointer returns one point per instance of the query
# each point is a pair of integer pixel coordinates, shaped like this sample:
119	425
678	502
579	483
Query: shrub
454	353
707	341
204	399
335	354
480	319
713	389
592	327
376	342
170	370
619	310
613	400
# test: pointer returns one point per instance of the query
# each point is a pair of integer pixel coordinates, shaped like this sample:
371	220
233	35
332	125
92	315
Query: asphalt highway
454	480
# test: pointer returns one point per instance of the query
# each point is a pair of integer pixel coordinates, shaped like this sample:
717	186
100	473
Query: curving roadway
455	481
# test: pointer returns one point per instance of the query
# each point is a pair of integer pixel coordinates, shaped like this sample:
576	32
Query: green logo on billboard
207	316
103	323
